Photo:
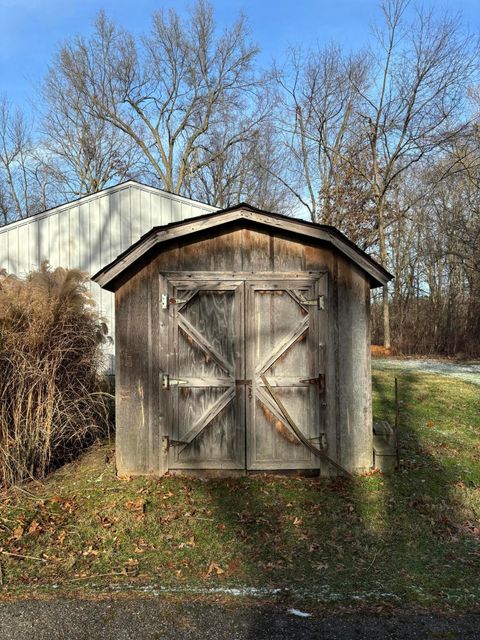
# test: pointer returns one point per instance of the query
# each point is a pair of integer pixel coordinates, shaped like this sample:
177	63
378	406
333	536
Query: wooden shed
243	344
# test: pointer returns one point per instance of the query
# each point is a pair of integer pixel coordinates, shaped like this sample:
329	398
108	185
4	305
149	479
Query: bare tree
23	185
414	103
244	173
82	153
315	121
169	91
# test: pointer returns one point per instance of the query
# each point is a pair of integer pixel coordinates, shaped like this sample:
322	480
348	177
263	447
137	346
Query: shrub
51	400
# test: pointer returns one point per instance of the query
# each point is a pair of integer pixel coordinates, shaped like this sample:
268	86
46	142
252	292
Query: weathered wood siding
138	436
248	251
351	323
91	232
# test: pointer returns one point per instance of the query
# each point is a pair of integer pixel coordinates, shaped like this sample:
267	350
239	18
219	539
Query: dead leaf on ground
214	569
136	506
130	568
34	529
18	532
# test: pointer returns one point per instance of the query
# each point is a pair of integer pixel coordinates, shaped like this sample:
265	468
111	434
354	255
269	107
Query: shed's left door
207	404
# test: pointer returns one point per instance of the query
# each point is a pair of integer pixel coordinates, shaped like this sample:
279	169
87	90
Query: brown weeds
51	403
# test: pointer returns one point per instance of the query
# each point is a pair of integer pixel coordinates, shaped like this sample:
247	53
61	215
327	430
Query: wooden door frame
166	351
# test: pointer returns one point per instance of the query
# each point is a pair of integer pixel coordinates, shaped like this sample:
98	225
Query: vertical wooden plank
133	355
226	251
256	251
353	364
161	365
288	255
197	256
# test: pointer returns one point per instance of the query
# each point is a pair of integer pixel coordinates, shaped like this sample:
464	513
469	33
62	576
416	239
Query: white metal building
90	232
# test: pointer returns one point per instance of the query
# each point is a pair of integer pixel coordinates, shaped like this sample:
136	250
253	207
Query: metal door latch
167	381
165	301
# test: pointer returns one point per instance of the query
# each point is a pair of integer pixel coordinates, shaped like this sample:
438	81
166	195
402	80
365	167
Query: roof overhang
158	236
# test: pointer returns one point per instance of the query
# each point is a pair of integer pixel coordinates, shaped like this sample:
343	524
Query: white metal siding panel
22	255
33	246
136	222
84	237
54	241
64	239
74	238
43	239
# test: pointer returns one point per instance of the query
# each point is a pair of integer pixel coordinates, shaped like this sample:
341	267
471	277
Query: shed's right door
285	345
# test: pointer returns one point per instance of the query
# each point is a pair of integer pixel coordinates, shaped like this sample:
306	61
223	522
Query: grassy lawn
410	539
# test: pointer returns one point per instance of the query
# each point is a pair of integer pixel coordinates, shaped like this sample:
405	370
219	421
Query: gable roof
107	276
128	184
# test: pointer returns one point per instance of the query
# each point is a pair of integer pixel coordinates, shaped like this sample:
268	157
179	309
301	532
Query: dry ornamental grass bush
51	399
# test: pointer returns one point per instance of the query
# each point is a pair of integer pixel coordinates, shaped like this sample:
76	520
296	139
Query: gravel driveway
160	619
465	372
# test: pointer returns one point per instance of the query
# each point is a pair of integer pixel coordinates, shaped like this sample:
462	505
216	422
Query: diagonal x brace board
270	404
298	299
318	452
186	299
208	416
204	344
283	346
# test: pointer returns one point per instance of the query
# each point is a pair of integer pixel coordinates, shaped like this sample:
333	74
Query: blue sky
31	30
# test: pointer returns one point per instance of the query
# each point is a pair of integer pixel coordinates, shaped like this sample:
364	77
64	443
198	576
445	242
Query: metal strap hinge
165	301
317	302
167	381
169	442
320	380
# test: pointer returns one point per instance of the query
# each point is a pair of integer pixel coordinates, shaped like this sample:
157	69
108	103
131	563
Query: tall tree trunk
383	261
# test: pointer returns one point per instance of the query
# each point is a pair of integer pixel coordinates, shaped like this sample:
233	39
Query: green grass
411	538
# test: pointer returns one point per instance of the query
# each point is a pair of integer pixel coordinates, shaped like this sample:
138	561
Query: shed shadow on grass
375	540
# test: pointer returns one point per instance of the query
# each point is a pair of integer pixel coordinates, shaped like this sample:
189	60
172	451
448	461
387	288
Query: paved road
465	372
160	619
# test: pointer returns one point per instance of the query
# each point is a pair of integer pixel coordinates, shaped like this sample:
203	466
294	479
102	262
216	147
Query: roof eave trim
105	277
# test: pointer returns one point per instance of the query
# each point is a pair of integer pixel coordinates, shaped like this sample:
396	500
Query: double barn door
245	368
